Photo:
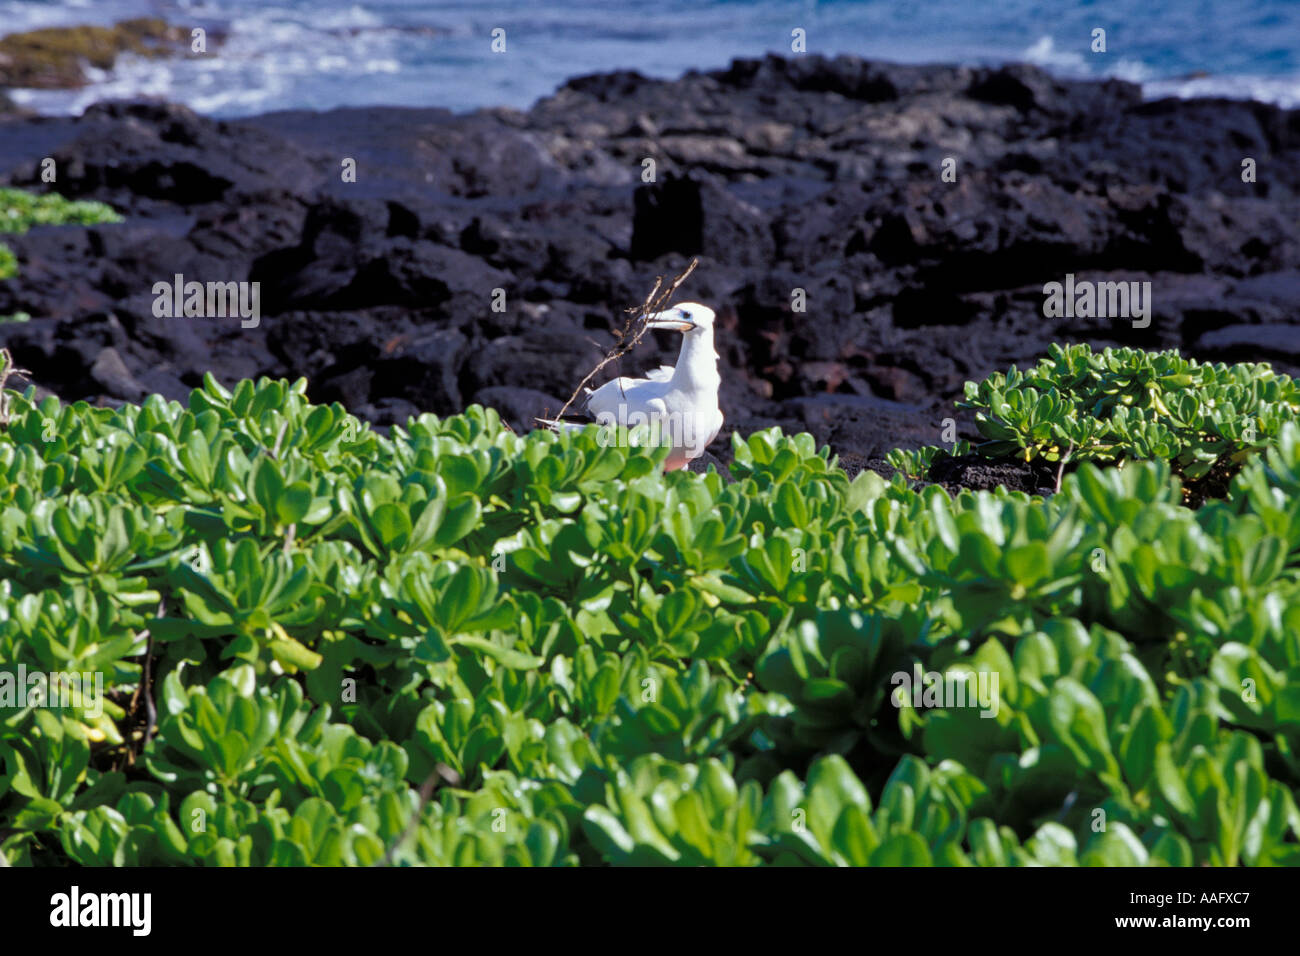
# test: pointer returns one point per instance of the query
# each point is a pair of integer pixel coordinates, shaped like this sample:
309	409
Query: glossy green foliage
455	645
1124	404
20	211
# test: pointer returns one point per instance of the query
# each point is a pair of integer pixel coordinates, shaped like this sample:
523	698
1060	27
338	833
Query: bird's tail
556	425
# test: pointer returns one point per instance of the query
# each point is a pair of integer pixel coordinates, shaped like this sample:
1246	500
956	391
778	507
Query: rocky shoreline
825	176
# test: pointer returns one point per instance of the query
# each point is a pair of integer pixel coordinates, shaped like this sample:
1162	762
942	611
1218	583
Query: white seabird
680	404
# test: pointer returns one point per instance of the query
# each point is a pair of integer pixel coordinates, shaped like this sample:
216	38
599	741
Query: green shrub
20	210
459	645
1123	405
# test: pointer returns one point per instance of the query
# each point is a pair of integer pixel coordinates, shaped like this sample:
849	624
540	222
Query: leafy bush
1126	404
20	210
458	645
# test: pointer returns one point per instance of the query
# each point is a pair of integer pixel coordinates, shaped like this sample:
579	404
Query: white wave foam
1283	91
1044	53
295	53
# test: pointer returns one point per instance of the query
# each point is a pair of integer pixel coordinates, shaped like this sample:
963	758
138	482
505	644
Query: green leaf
504	656
293	503
902	849
392	526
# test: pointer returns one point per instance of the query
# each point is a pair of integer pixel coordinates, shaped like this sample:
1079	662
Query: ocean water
318	54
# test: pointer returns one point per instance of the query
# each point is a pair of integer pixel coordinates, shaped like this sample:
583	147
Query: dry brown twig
7	369
634	328
144	690
442	774
1060	472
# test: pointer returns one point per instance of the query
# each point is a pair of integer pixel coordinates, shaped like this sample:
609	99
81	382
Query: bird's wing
654	407
621	386
622	397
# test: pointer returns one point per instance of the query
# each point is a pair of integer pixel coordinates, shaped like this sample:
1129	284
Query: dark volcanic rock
691	218
519	407
110	372
983	474
1252	343
360	254
488	257
151	157
540	358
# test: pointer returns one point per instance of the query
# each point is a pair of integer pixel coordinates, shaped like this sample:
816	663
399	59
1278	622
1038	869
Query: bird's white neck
697	363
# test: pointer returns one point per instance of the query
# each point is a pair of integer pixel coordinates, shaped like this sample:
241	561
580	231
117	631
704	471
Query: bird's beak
672	320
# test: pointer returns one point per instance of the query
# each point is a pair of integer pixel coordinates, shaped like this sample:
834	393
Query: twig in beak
633	327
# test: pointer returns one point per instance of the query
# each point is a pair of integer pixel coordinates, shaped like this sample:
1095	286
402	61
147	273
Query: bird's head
688	318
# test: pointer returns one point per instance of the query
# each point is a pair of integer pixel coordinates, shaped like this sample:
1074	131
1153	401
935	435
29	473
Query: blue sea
285	54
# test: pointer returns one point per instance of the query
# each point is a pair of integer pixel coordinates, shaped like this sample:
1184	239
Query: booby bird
681	404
